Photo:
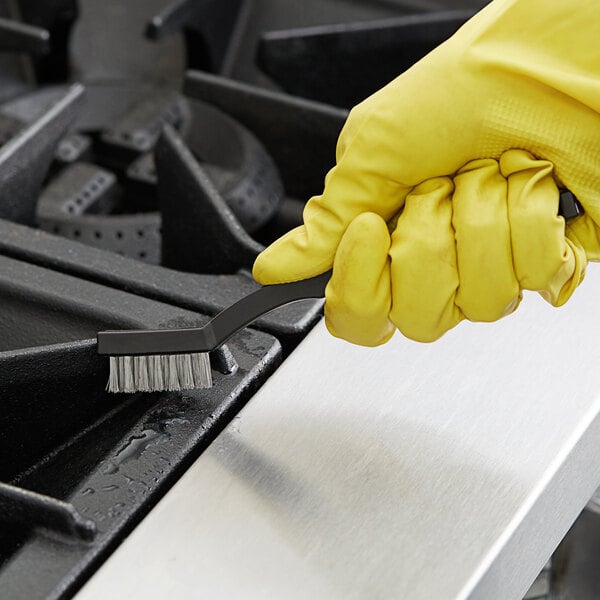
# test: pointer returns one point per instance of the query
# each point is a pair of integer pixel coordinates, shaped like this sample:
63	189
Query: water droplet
135	446
110	468
176	421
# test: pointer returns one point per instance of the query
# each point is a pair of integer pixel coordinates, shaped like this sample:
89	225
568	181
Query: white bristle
160	372
201	372
163	361
128	375
155	371
113	377
140	369
172	374
184	370
120	371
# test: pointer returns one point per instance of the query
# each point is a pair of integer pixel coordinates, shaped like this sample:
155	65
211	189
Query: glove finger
488	288
423	267
358	295
587	233
358	183
581	259
544	260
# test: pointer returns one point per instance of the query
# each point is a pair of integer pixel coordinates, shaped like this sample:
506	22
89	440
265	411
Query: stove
149	151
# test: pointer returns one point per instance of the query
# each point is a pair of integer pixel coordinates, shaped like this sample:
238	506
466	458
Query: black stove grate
82	465
141	199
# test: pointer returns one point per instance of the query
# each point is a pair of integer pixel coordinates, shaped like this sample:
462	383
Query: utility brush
178	359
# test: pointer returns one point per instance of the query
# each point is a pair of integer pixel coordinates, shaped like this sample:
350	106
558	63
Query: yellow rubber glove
462	248
521	74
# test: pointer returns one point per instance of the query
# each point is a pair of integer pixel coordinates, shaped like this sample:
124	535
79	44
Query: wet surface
121	462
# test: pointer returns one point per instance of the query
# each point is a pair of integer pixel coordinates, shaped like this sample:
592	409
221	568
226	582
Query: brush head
159	372
177	359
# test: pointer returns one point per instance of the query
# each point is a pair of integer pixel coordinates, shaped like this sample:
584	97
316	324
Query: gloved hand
462	248
520	74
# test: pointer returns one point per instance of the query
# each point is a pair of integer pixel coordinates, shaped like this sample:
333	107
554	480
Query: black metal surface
137	129
208	294
287	217
299	134
79	188
184	188
72	148
234	159
29	509
36	34
258	16
237	163
76	205
8	129
107	107
57	17
108	45
65	438
222	360
342	64
208	26
20	37
24	160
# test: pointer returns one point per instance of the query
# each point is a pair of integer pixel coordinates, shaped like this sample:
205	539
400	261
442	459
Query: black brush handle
264	300
568	205
218	330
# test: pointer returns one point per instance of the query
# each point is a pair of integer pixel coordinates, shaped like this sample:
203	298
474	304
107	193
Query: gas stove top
148	152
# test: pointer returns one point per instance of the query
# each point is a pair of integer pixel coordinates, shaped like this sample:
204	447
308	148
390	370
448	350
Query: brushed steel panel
441	471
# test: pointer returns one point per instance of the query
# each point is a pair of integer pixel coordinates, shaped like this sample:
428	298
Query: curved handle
264	300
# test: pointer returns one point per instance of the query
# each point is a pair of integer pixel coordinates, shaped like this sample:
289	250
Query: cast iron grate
80	467
140	169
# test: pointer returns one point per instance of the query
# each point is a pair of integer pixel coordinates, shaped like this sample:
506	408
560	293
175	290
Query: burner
111	202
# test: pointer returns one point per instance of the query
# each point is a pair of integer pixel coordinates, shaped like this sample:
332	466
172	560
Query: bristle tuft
141	379
155	370
201	371
172	379
157	373
113	377
128	376
184	371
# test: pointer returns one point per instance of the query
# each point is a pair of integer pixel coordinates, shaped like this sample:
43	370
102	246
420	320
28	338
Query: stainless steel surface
442	471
